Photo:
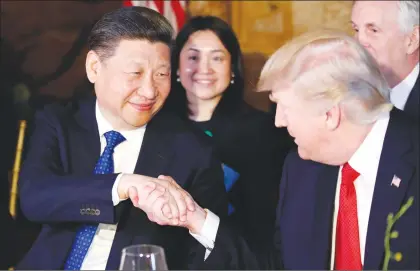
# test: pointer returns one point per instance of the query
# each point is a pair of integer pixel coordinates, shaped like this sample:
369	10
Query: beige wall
263	26
37	35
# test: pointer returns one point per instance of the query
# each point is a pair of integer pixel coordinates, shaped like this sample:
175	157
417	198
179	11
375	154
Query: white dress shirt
400	93
366	162
125	158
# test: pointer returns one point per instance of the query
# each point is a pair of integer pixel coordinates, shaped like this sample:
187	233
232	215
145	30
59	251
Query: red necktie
347	244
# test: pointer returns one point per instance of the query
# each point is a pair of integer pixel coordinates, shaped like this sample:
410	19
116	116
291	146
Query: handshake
163	200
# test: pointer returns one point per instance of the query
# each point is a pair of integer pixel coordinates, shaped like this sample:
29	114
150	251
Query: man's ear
412	43
333	118
93	66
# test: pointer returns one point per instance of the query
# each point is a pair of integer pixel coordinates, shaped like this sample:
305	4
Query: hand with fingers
160	205
162	199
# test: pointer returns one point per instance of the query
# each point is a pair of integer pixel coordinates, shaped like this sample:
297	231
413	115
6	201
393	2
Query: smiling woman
204	70
207	92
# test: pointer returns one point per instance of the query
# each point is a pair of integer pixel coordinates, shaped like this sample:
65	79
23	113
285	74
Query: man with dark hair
94	165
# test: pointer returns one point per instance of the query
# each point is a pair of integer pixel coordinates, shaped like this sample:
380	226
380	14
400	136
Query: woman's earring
233	79
178	79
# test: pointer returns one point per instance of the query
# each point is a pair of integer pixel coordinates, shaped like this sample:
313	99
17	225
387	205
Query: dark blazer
57	183
413	101
248	142
305	212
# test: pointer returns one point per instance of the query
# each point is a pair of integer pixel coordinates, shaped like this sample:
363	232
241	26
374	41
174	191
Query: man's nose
280	123
147	88
361	37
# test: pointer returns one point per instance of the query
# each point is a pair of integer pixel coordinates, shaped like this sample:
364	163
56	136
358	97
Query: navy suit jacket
58	187
412	105
305	212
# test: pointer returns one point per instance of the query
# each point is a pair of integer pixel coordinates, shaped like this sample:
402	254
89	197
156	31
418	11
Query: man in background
389	30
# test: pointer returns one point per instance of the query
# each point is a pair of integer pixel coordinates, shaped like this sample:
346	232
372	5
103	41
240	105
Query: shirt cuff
115	198
207	235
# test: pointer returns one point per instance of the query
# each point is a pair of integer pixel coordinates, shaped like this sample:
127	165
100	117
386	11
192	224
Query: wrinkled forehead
380	13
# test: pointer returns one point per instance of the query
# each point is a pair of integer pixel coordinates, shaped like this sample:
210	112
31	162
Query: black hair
128	23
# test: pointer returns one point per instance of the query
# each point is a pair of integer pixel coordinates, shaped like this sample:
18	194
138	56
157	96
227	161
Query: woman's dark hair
233	96
129	23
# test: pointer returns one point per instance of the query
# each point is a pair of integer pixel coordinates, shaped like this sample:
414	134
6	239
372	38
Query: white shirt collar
400	93
104	126
366	158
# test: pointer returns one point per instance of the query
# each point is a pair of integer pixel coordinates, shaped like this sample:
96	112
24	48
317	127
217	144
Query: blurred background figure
207	91
389	30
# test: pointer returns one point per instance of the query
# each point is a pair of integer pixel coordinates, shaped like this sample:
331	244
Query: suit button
82	211
97	212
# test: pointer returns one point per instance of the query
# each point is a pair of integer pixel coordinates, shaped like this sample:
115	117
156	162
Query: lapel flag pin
396	181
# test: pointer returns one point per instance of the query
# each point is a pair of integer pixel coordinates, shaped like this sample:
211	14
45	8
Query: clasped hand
162	199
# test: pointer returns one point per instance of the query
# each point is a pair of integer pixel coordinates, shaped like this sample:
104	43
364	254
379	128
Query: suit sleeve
260	184
50	195
208	187
231	251
208	191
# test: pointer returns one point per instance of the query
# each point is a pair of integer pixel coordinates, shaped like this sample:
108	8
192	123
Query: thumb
133	195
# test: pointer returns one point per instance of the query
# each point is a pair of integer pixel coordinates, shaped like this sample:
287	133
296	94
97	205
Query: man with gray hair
389	30
356	162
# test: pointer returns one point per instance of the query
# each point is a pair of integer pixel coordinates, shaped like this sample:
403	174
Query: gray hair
408	16
329	67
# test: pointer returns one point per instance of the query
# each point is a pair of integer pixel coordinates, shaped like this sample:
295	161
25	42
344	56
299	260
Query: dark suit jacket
248	142
413	102
57	184
305	211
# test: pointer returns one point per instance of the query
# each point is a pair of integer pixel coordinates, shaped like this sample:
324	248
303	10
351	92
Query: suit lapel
412	105
86	136
156	150
154	158
323	220
396	160
83	150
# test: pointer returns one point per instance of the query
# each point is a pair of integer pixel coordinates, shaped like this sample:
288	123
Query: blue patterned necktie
85	234
230	177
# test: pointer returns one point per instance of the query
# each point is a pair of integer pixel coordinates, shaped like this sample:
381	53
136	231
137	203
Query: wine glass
143	257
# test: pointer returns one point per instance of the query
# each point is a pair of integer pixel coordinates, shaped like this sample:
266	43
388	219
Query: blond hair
329	67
